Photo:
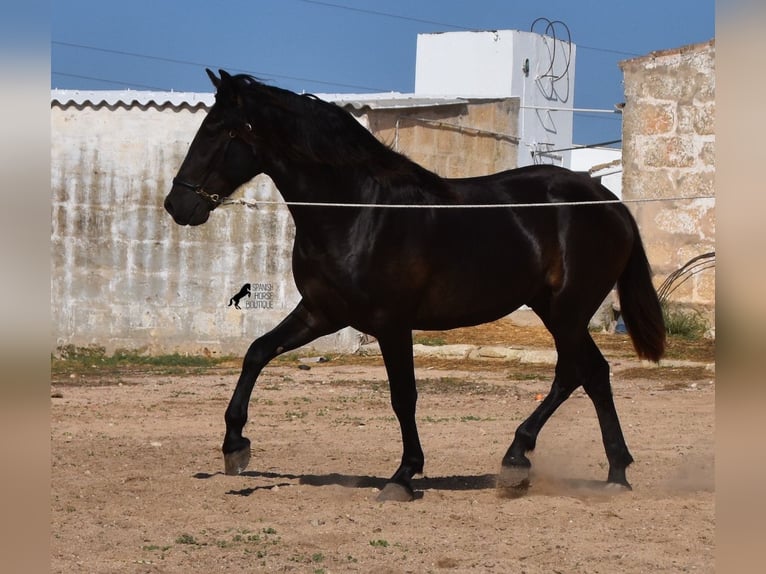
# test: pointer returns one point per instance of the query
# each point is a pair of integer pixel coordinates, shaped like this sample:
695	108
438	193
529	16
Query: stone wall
124	276
459	140
668	152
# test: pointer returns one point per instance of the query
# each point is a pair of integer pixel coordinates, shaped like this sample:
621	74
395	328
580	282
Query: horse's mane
312	130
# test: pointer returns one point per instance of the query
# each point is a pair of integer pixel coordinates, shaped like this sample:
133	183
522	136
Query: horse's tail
639	305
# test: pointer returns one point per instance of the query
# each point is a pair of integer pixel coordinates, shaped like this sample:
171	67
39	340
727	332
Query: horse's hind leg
579	363
297	329
599	389
514	474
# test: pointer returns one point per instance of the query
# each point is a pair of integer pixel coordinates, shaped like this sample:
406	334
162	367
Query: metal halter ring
214	198
233	133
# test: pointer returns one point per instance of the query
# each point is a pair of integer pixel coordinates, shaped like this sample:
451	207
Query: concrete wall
125	276
669	151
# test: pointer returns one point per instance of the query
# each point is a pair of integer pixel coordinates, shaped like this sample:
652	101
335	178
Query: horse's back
531	184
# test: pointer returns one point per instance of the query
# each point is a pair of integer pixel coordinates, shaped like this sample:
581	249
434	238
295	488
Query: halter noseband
213	198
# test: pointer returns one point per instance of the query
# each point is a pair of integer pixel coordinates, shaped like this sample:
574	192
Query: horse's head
220	158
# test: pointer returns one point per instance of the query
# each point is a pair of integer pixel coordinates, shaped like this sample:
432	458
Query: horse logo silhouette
245	291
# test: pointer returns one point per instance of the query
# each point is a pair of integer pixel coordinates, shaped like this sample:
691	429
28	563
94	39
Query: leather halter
213	198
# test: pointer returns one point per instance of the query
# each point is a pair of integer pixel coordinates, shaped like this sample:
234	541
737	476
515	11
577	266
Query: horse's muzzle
186	208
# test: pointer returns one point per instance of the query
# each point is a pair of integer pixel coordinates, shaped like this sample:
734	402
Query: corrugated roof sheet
127	99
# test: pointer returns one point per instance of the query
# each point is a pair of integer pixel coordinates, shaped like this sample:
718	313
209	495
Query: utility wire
585	146
435	23
117	82
384	14
202	65
607	50
376	13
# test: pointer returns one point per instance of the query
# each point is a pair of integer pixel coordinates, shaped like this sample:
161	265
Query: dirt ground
137	483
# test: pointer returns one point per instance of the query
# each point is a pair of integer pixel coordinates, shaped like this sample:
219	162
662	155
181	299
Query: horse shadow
576	487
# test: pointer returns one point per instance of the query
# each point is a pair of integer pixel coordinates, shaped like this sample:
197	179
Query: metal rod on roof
464	129
583	110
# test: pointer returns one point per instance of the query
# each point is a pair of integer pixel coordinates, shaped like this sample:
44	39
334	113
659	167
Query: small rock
314	360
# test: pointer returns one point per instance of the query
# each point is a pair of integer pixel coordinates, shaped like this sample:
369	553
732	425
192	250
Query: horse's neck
302	183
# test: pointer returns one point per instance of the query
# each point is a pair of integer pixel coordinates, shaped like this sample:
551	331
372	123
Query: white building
601	162
539	70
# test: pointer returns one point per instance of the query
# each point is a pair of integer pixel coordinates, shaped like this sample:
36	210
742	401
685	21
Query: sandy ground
137	483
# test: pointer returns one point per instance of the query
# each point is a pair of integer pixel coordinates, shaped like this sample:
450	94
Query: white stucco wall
124	275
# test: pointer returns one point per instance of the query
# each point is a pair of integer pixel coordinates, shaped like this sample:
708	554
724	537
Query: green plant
93	358
186	539
429	340
683	322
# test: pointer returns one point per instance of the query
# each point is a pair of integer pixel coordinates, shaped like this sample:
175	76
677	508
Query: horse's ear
226	87
211	75
231	88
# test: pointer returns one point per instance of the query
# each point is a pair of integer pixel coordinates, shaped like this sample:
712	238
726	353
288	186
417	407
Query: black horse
387	271
244	292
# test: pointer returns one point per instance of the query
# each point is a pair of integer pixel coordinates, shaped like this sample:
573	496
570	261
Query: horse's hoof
617	487
236	462
513	481
395	492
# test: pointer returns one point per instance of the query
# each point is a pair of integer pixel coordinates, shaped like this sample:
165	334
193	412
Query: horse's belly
473	298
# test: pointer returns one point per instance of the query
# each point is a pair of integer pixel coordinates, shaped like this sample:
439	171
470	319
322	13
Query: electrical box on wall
538	69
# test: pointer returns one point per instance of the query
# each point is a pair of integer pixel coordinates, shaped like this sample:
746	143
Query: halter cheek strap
213	198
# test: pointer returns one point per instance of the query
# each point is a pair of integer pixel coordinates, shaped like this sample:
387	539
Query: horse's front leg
297	329
397	355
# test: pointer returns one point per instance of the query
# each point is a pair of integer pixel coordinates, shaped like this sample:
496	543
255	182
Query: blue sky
348	45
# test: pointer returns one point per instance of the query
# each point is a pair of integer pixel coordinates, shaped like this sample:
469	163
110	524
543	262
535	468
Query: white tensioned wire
458	206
